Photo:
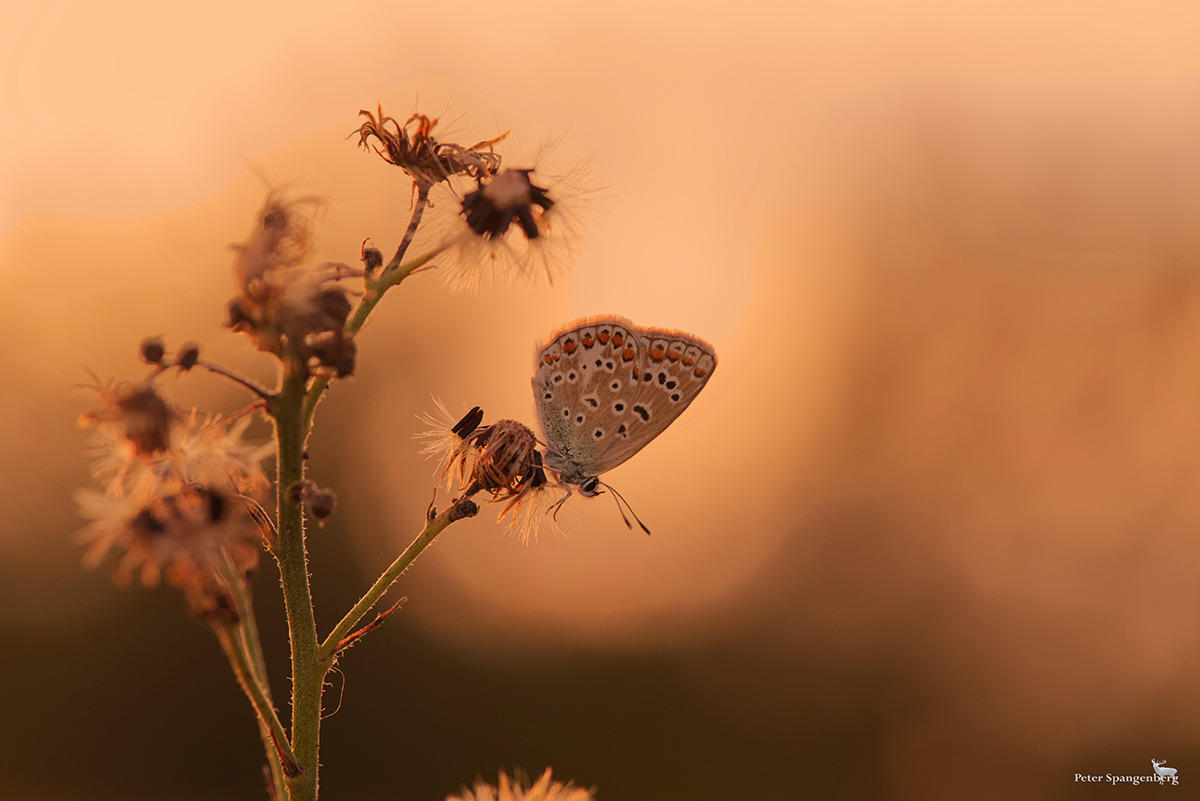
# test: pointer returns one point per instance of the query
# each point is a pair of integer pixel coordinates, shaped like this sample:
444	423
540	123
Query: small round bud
322	502
298	491
187	356
372	257
151	350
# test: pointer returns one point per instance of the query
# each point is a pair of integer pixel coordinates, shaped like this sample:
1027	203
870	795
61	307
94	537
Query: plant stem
307	675
250	658
460	510
273	737
235	378
391	275
292	409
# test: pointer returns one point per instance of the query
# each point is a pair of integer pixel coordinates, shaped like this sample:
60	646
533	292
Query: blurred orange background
929	532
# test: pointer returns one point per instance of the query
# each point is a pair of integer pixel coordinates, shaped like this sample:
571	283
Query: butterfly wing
605	388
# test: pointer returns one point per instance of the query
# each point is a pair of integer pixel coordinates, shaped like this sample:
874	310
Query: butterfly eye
588	487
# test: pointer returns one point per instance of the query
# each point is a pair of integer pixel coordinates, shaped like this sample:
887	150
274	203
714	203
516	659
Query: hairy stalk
286	409
274	737
391	275
246	639
460	510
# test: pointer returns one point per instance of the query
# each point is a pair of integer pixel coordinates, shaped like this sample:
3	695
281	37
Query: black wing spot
642	412
598	433
675	396
599	362
647	377
579	419
548	395
571	376
566	412
619	407
558	378
615	385
622	431
671	384
591	402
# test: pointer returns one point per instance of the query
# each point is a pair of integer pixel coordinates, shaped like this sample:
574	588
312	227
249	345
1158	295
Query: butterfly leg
553	510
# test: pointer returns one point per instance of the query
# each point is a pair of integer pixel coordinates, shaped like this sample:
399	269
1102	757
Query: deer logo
1164	773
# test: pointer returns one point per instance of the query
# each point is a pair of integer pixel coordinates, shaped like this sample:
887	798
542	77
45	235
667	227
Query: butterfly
605	387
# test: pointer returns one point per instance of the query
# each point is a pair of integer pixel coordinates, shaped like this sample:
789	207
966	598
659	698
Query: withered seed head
412	148
508	197
146	419
505	463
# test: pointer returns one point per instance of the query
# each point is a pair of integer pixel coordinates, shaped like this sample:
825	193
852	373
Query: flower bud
372	257
188	355
151	350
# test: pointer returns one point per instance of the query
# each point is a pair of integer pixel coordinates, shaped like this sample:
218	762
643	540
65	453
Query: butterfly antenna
617	495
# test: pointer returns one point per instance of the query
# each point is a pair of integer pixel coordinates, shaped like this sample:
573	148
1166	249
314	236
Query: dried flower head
139	417
517	224
287	305
178	499
197	539
412	148
502	460
518	789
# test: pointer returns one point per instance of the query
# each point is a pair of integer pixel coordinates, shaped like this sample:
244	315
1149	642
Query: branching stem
458	511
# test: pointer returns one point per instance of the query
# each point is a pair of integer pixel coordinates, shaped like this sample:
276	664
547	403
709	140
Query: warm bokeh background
932	531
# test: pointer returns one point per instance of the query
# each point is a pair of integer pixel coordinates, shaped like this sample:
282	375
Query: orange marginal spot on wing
700	372
570	347
673	355
618	340
628	354
604	336
689	361
656	354
588	340
548	359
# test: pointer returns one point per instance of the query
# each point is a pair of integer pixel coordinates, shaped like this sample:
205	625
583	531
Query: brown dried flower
197	539
502	460
412	148
136	412
287	305
517	224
